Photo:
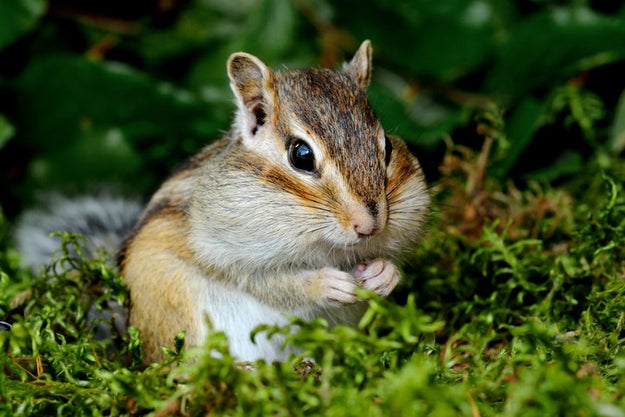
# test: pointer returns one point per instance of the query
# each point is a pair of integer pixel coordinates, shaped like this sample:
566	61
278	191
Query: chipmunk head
319	141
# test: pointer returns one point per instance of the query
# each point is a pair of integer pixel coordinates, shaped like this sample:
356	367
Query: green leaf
267	29
99	154
80	105
7	130
271	28
18	17
617	132
426	38
417	117
198	26
549	46
68	95
522	123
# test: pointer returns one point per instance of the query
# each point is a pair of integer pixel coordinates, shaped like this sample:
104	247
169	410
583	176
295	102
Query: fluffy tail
103	220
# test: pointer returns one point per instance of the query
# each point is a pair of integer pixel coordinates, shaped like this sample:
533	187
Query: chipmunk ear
253	85
359	68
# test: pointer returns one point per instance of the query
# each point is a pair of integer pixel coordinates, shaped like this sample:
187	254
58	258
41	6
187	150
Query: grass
514	305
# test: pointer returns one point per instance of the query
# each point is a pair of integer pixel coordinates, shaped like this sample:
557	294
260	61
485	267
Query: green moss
518	318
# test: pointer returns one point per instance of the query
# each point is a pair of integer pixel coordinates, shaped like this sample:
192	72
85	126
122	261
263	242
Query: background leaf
434	40
17	17
7	130
130	115
617	133
523	123
552	45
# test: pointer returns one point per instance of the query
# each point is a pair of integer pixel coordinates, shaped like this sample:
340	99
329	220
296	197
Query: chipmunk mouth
359	244
353	244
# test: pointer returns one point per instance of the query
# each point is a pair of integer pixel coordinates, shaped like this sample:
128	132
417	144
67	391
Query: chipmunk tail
104	220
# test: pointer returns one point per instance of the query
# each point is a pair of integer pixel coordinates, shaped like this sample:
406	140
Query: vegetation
514	304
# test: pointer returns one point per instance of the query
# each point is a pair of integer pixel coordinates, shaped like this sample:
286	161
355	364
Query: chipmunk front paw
337	287
380	276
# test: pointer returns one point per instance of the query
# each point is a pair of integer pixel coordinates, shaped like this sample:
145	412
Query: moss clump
513	305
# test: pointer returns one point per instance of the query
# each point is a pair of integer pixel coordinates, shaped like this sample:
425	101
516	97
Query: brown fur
158	309
333	106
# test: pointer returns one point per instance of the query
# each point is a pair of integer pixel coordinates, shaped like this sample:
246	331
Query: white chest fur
237	314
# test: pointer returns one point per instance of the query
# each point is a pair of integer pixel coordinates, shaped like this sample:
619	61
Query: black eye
301	156
388	150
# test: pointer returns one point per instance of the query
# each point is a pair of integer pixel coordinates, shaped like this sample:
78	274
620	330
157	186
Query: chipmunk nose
367	222
365	229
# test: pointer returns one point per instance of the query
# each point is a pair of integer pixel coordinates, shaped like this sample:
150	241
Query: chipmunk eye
388	150
301	156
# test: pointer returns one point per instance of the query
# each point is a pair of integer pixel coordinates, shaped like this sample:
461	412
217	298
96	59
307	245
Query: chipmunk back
303	201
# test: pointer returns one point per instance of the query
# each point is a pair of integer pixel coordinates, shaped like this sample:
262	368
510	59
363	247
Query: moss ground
514	305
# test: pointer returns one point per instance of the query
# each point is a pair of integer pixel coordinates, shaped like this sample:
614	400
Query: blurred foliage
115	94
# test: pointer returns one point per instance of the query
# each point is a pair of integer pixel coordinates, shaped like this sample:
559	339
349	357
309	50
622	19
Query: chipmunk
303	201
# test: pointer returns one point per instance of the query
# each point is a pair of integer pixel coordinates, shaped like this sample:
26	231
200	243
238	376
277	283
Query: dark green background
115	94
